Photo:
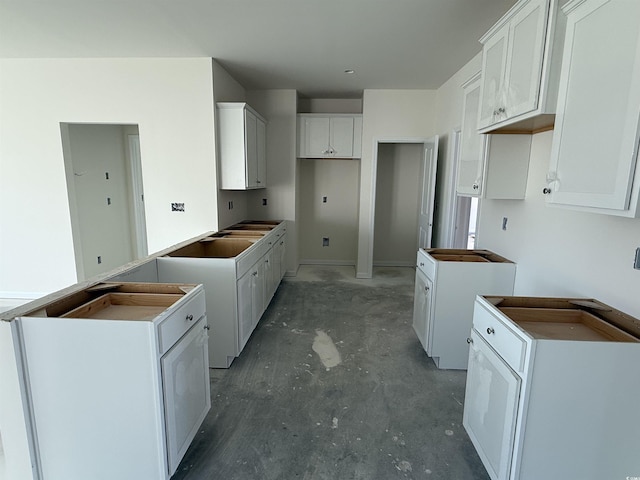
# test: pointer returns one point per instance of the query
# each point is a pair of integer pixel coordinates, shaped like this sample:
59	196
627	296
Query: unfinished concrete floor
334	384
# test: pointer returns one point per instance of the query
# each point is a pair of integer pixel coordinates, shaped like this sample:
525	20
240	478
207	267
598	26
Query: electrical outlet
504	223
177	207
230	205
324	199
264	202
99	259
636	262
325	241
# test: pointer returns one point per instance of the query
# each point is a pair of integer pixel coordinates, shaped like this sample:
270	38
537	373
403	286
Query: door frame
432	182
134	187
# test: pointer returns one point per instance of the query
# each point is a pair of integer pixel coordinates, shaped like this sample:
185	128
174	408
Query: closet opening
404	200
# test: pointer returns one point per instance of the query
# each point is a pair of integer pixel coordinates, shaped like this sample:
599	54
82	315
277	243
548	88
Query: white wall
337	218
448	118
172	102
397	203
279	107
330	105
387	115
562	252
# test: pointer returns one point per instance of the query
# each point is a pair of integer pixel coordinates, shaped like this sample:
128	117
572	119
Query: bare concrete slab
382	412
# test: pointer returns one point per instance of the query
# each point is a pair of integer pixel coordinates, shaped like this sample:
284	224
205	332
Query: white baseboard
337	263
394	264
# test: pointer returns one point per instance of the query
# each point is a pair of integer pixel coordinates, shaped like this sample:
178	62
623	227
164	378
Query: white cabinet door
269	277
524	64
472	144
245	309
494	60
595	143
261	154
281	257
257	292
490	407
251	148
316	136
329	135
520	68
341	136
422	308
242	147
185	380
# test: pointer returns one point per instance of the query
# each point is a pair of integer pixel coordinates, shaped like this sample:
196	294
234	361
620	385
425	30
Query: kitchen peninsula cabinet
329	136
242	147
552	389
104	379
230	265
594	155
489	166
521	58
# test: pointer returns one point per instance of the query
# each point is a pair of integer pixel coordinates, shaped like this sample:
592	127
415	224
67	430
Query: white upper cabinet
594	154
329	135
490	166
242	147
520	65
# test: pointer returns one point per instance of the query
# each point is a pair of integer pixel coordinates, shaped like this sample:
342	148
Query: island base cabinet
552	389
118	384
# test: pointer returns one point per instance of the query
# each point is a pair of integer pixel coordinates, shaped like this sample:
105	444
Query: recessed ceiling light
349	71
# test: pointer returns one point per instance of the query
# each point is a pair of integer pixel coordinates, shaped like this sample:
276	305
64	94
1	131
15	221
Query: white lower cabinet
552	389
237	268
116	379
490	411
447	282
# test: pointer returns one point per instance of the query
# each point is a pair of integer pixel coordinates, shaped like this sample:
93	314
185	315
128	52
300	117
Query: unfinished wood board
215	248
459	258
486	254
565	324
125	306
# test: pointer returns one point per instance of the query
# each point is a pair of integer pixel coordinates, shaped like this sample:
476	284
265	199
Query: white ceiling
300	44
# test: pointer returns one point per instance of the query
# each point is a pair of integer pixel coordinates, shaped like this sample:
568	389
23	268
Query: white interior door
427	194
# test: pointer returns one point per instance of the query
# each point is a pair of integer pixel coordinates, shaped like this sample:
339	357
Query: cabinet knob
490	330
422	264
189	317
469	340
546	190
258	181
502	110
207	327
476	186
255	274
426	289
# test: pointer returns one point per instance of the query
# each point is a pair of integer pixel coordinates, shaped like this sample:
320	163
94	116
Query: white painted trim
393	264
374	175
454	158
347	263
73	205
140	243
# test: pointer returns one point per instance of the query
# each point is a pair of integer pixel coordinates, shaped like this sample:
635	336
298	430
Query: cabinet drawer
505	341
178	323
426	264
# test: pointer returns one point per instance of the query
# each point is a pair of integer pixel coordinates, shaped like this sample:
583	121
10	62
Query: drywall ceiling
302	44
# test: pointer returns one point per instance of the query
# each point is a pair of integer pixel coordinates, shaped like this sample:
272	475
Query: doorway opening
106	198
404	200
